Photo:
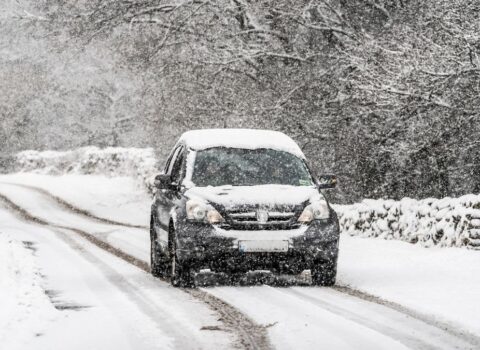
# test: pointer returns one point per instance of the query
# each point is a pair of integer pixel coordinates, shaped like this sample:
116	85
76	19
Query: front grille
277	220
273	217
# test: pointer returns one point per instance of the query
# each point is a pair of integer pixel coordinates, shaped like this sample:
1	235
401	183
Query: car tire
155	267
180	274
324	274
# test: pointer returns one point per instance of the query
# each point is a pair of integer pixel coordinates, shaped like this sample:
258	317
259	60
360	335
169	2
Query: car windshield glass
245	167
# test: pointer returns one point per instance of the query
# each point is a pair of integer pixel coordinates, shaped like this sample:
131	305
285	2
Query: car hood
262	195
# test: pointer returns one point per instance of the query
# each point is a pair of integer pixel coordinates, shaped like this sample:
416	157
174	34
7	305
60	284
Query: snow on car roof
240	138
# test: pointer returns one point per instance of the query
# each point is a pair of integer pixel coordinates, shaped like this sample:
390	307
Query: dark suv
232	202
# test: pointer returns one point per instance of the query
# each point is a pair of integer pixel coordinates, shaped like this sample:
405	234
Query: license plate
263	246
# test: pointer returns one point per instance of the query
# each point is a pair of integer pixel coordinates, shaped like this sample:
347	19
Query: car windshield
244	167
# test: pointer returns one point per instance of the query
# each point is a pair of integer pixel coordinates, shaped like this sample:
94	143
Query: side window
177	169
171	161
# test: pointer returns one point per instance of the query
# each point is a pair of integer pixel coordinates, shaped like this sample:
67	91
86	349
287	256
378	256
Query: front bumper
202	246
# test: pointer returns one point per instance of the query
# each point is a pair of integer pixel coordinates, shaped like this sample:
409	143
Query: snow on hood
268	195
240	138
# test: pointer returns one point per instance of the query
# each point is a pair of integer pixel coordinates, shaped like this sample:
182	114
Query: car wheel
155	267
180	274
324	274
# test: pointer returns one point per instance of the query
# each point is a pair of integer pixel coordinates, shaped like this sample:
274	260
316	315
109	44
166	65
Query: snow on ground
55	276
313	318
132	240
442	283
120	199
59	291
24	306
294	323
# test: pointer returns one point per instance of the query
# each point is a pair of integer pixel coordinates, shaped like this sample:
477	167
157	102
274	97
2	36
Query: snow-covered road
85	298
300	318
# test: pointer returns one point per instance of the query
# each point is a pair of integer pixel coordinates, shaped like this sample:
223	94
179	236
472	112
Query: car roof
240	138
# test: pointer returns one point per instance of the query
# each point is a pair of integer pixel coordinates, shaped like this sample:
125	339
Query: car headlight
317	210
199	211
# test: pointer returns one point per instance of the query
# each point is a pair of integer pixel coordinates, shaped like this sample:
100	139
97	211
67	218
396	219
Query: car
232	202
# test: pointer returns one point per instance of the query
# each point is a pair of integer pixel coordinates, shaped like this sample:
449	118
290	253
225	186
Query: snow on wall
139	163
447	222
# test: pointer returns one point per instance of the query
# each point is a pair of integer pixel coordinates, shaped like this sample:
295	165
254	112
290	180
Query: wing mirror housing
326	181
163	182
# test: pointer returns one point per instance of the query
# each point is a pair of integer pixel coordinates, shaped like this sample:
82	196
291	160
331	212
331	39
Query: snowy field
425	289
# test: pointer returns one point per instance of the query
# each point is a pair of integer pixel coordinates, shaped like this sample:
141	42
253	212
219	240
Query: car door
169	198
161	203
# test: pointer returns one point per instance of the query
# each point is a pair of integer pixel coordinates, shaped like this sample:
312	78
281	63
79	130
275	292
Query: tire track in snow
250	335
74	209
143	302
409	330
446	327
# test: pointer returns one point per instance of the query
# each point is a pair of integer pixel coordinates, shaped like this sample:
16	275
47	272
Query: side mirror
163	182
326	181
